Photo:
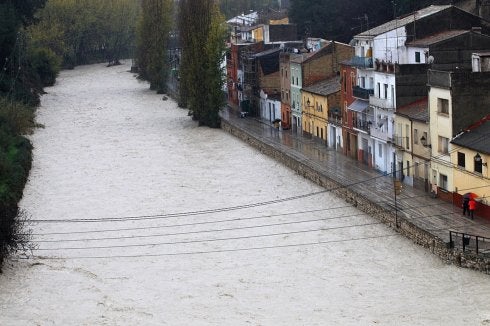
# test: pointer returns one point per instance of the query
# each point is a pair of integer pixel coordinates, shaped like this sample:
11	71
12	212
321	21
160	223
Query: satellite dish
430	60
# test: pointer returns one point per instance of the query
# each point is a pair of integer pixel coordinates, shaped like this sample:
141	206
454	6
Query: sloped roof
476	137
436	38
302	57
324	87
269	60
402	21
418	110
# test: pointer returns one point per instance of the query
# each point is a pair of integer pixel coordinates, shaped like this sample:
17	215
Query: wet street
140	217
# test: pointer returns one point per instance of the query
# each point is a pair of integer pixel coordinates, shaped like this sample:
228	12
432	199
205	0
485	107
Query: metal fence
469	242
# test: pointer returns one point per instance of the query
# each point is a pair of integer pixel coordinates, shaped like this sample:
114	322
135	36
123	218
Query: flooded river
143	218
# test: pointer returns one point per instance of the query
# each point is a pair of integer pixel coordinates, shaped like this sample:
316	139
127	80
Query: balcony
362	93
335	118
361	124
382	103
361	62
400	142
380	132
383	66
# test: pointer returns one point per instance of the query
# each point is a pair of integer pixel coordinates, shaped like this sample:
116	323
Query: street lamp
479	160
397	184
423	140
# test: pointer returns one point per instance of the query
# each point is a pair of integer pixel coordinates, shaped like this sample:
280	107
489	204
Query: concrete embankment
401	221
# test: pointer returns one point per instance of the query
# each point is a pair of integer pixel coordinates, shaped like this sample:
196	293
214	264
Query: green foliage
18	81
46	64
15	164
16	117
154	26
202	31
87	31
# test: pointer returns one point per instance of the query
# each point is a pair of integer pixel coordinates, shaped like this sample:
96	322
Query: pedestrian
466	208
472	206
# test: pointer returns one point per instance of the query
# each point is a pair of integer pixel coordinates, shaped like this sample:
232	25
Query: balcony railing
361	62
383	103
380	133
362	93
361	124
400	142
334	118
383	66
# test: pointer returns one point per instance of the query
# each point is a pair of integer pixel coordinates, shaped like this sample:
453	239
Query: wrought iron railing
469	242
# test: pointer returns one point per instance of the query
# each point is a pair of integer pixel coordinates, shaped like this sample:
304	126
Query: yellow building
470	157
441	131
412	143
318	99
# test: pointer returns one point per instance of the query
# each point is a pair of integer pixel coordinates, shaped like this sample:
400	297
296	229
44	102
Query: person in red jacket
472	207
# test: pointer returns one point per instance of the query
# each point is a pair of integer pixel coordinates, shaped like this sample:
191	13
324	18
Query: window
417	57
386	90
443	181
461	160
408	168
407	138
344	77
415	136
317	132
443	145
363	82
292	80
297	83
443	106
380	150
378	88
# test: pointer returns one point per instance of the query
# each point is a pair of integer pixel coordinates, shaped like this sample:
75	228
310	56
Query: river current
140	217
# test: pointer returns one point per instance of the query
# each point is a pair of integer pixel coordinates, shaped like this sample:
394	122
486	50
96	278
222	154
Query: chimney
476	29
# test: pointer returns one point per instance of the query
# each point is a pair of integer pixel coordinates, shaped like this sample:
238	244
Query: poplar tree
153	30
202	32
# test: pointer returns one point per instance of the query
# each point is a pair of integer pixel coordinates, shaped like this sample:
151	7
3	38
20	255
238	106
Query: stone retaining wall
405	227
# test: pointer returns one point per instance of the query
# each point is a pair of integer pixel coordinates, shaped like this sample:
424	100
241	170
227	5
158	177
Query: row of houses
409	98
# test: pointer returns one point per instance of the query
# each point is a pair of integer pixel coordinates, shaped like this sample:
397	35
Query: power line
190	224
211	240
200	231
212	251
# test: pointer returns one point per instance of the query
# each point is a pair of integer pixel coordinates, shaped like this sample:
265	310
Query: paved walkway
430	214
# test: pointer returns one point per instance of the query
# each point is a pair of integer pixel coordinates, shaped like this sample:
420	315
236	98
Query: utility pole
397	184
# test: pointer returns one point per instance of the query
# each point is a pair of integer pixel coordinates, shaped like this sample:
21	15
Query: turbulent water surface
144	218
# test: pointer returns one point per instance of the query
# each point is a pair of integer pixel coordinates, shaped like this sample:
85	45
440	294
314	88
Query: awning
358	106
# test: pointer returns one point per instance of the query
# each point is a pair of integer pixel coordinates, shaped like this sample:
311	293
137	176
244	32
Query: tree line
37	39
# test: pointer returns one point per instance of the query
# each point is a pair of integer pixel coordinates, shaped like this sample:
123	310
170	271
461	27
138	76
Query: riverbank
424	220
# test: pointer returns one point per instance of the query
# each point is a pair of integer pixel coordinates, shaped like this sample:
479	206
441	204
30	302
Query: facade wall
467	180
296	102
349	79
314	116
470	98
440	126
390	46
285	70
